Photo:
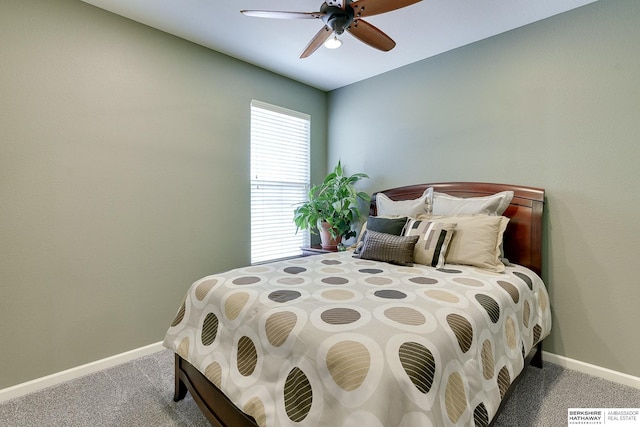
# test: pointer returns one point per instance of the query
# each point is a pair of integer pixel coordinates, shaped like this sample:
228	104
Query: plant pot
328	242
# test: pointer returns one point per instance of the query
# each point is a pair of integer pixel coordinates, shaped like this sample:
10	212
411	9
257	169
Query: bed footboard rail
216	407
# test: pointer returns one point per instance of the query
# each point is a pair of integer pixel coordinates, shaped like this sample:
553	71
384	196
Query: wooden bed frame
522	245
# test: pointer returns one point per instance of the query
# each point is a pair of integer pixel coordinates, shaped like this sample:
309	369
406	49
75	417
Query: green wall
555	104
124	177
124	167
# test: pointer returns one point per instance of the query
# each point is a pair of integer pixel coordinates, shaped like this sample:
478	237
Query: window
280	141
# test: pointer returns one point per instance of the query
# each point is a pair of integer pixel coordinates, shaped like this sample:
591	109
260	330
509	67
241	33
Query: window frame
276	187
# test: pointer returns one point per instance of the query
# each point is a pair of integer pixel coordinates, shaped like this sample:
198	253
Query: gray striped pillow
433	241
388	248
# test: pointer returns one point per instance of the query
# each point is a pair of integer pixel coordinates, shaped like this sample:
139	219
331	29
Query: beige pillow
434	238
496	204
476	240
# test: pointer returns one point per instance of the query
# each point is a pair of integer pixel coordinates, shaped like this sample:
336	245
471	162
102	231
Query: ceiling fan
341	15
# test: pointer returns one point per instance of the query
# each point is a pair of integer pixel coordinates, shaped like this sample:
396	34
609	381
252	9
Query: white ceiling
421	30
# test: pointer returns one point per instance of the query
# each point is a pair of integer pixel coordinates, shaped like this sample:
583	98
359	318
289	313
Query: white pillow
496	204
411	208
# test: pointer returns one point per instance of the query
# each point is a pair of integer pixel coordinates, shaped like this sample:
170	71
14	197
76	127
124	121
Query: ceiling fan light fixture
333	43
340	16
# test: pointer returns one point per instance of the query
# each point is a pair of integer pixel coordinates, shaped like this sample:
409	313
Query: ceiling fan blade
317	41
282	15
371	35
363	8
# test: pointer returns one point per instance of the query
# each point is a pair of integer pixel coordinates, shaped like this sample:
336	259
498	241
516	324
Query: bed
342	339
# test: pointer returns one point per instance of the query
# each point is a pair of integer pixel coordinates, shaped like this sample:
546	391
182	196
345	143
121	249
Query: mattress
333	340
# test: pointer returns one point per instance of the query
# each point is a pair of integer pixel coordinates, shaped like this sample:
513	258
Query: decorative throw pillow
496	204
476	241
387	225
382	225
388	248
387	207
433	241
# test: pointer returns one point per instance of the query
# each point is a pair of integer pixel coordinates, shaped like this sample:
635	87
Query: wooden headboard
523	237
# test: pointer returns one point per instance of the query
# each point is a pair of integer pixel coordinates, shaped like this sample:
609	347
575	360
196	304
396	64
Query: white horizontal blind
280	141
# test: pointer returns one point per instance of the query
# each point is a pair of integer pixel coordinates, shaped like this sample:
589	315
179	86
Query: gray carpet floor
140	393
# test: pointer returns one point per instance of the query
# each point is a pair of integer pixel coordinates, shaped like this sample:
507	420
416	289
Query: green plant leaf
334	201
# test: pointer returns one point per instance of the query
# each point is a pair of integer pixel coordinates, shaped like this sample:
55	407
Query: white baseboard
77	372
593	370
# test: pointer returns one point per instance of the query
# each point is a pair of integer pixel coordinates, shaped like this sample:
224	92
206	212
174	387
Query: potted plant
332	208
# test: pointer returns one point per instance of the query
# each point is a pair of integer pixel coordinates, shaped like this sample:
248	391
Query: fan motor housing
337	18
